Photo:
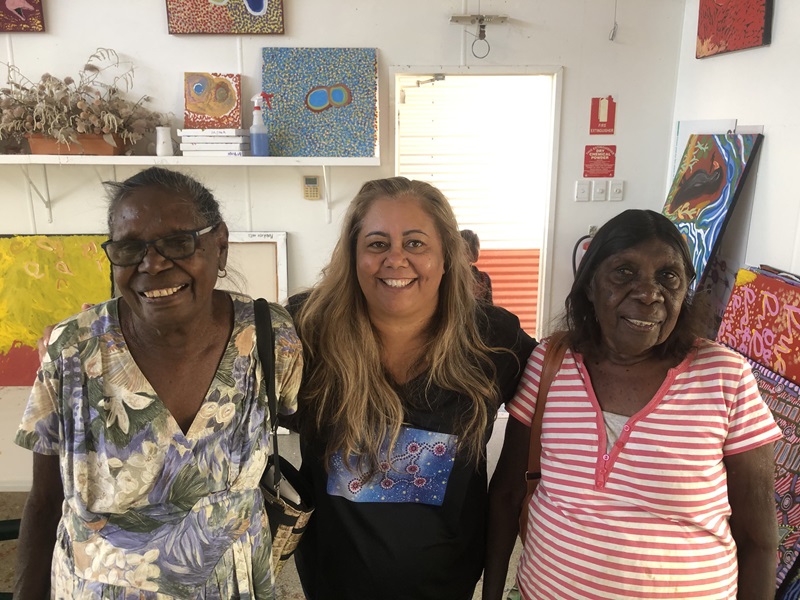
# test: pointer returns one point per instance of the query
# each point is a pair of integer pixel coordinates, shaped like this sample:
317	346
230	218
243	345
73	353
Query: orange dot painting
43	280
212	100
730	25
225	16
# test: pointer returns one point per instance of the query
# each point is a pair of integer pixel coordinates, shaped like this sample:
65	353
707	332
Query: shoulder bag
556	348
287	495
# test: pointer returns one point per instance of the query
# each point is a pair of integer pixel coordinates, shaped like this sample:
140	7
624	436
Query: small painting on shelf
323	101
728	25
225	16
21	15
43	280
707	184
212	101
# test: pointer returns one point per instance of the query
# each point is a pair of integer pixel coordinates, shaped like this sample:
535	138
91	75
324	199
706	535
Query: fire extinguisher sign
604	116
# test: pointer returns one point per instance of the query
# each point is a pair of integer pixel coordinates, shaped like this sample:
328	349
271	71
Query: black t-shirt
415	530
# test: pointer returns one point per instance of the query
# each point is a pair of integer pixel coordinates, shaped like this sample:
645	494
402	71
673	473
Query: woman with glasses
148	420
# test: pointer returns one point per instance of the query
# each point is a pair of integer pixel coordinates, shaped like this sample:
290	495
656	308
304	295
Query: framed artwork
257	264
728	25
212	100
43	280
225	16
707	183
21	15
323	101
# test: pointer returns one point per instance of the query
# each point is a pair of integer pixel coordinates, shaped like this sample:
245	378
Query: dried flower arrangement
63	108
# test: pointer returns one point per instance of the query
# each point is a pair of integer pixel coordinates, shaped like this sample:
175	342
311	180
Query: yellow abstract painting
43	280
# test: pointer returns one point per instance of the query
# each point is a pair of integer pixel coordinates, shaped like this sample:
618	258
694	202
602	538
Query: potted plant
87	115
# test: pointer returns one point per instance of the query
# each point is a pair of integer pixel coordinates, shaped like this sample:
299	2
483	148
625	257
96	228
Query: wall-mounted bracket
326	192
479	19
45	198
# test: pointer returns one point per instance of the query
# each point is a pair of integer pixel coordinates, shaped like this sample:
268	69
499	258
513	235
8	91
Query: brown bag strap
553	356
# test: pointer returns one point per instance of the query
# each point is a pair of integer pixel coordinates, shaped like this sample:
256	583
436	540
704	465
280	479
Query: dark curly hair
630	228
207	207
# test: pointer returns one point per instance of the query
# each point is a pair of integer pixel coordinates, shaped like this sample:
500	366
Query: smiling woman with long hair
404	376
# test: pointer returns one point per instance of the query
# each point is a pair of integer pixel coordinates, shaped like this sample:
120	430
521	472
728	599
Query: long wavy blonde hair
347	395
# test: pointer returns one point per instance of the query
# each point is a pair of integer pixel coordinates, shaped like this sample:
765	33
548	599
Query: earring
223	273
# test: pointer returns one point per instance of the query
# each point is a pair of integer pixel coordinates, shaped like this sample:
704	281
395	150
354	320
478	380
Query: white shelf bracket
326	187
45	198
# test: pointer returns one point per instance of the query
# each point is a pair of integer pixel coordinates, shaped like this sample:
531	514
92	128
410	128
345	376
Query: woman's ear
222	244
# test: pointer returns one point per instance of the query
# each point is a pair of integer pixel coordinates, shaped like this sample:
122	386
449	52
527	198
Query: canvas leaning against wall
708	182
43	280
257	264
324	101
21	15
225	16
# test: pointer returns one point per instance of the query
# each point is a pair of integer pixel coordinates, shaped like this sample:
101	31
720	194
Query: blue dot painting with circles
322	101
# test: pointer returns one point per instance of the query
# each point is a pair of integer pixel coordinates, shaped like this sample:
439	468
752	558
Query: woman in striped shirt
657	450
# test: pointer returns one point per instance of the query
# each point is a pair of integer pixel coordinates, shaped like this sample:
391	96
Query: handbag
288	497
553	356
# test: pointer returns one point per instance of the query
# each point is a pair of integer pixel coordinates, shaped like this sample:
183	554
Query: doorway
487	141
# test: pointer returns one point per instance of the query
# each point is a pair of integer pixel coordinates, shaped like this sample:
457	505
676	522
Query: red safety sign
599	161
604	116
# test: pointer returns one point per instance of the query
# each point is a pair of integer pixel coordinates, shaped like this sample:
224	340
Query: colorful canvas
728	25
323	101
212	100
21	15
783	398
225	16
705	189
44	279
762	321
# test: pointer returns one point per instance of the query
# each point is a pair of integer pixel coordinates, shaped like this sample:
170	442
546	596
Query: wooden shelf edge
220	161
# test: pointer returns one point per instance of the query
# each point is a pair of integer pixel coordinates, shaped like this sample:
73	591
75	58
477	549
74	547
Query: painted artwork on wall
728	25
44	279
21	15
225	16
212	100
783	399
323	101
707	184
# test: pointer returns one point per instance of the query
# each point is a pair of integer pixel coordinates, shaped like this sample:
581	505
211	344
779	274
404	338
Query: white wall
758	86
639	68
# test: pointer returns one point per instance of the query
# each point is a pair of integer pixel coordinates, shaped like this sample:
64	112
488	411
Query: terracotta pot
90	144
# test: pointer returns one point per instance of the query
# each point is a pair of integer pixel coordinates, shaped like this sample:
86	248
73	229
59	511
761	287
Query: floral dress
150	512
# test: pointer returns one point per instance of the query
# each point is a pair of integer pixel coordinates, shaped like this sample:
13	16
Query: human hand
43	342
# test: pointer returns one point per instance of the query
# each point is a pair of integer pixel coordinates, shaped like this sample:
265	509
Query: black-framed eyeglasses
127	253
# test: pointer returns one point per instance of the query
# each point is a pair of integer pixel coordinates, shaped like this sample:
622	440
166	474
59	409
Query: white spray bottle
259	135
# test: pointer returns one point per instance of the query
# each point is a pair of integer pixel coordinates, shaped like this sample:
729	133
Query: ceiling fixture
480	36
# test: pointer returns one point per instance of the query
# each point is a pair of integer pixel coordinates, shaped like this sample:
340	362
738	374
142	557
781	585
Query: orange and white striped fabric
647	519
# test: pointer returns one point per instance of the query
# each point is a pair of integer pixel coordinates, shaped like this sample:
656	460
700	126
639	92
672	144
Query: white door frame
542	316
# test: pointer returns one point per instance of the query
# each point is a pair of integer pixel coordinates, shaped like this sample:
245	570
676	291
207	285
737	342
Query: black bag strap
265	341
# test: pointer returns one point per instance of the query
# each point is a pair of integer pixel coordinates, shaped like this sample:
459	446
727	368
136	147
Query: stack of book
215	142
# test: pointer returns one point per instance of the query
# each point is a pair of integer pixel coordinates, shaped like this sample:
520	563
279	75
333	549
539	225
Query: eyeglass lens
126	253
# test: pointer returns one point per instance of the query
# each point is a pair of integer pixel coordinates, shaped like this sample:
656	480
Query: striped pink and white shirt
649	518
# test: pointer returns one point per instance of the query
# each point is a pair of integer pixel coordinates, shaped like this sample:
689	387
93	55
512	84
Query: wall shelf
25	160
217	161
